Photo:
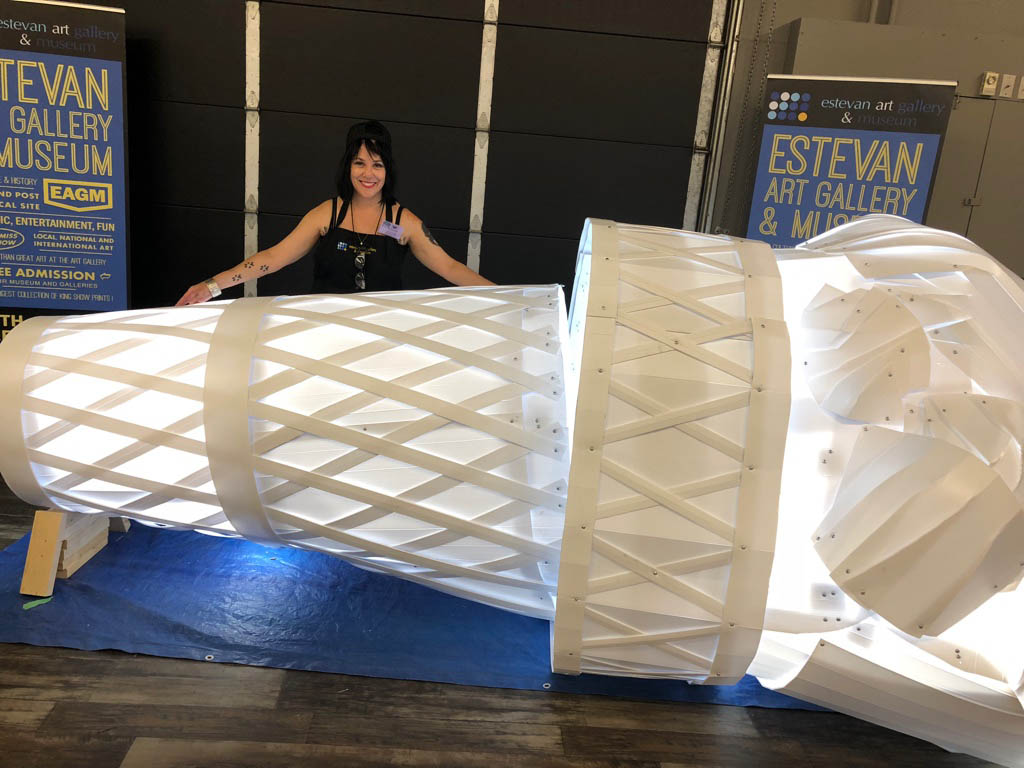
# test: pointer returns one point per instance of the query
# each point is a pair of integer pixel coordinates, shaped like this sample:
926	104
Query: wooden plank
169	753
436	735
70	750
61	543
29	672
75	554
135	689
43	552
833	733
79	526
400	699
22	713
190	721
721	750
605	712
872	755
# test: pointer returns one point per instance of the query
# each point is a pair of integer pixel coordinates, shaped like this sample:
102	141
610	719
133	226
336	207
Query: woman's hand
197	294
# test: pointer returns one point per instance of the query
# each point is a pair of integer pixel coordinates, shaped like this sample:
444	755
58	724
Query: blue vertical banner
63	175
835	149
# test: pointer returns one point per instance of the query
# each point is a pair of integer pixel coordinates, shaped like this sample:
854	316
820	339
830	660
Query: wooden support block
44	547
120	524
77	526
75	552
60	544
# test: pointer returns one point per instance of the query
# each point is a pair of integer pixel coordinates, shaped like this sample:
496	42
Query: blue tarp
185	595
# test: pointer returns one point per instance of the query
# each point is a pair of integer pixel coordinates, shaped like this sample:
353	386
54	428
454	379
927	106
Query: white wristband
212	286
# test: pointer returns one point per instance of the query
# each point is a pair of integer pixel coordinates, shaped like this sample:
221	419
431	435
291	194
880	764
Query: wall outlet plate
1006	86
989	81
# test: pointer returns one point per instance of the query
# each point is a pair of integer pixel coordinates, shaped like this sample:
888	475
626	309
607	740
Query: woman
360	237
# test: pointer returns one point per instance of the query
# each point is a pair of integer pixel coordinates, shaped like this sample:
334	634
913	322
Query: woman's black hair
377	139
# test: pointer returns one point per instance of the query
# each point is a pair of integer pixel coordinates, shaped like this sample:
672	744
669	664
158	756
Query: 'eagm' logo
78	195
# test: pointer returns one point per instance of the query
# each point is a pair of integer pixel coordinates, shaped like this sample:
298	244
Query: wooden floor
62	707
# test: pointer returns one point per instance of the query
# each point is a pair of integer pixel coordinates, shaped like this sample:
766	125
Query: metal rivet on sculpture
827	497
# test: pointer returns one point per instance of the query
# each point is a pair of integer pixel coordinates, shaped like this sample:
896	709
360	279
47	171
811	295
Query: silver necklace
352	214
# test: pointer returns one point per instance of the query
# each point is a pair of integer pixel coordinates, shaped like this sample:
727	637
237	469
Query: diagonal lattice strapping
501	347
658	567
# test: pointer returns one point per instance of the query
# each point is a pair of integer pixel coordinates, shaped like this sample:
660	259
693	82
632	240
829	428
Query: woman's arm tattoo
426	232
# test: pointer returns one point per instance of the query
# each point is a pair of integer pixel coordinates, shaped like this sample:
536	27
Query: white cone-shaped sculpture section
679	431
895	594
991	428
921	532
418	433
868	352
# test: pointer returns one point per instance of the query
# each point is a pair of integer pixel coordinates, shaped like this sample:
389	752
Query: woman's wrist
212	287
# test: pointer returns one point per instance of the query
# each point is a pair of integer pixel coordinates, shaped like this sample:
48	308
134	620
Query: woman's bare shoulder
323	208
321	215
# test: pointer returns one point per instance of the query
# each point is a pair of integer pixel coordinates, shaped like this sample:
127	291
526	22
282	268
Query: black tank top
348	262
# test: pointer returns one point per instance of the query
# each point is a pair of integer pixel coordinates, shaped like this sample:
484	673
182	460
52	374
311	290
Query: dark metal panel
186	50
959	169
518	260
415	275
187	154
997	225
369	65
470	10
596	86
299	155
174	247
298	277
687	20
540	185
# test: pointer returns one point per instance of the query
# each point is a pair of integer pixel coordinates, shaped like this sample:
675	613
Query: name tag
391	230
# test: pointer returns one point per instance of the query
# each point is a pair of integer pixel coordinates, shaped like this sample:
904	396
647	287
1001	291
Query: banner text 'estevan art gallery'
833	150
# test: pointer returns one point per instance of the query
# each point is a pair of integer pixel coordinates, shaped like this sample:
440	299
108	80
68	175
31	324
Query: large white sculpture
804	464
419	433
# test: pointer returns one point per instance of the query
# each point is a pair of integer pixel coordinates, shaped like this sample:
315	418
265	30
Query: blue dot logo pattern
789	105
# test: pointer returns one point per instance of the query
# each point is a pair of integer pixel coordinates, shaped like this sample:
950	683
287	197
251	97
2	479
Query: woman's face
367	173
